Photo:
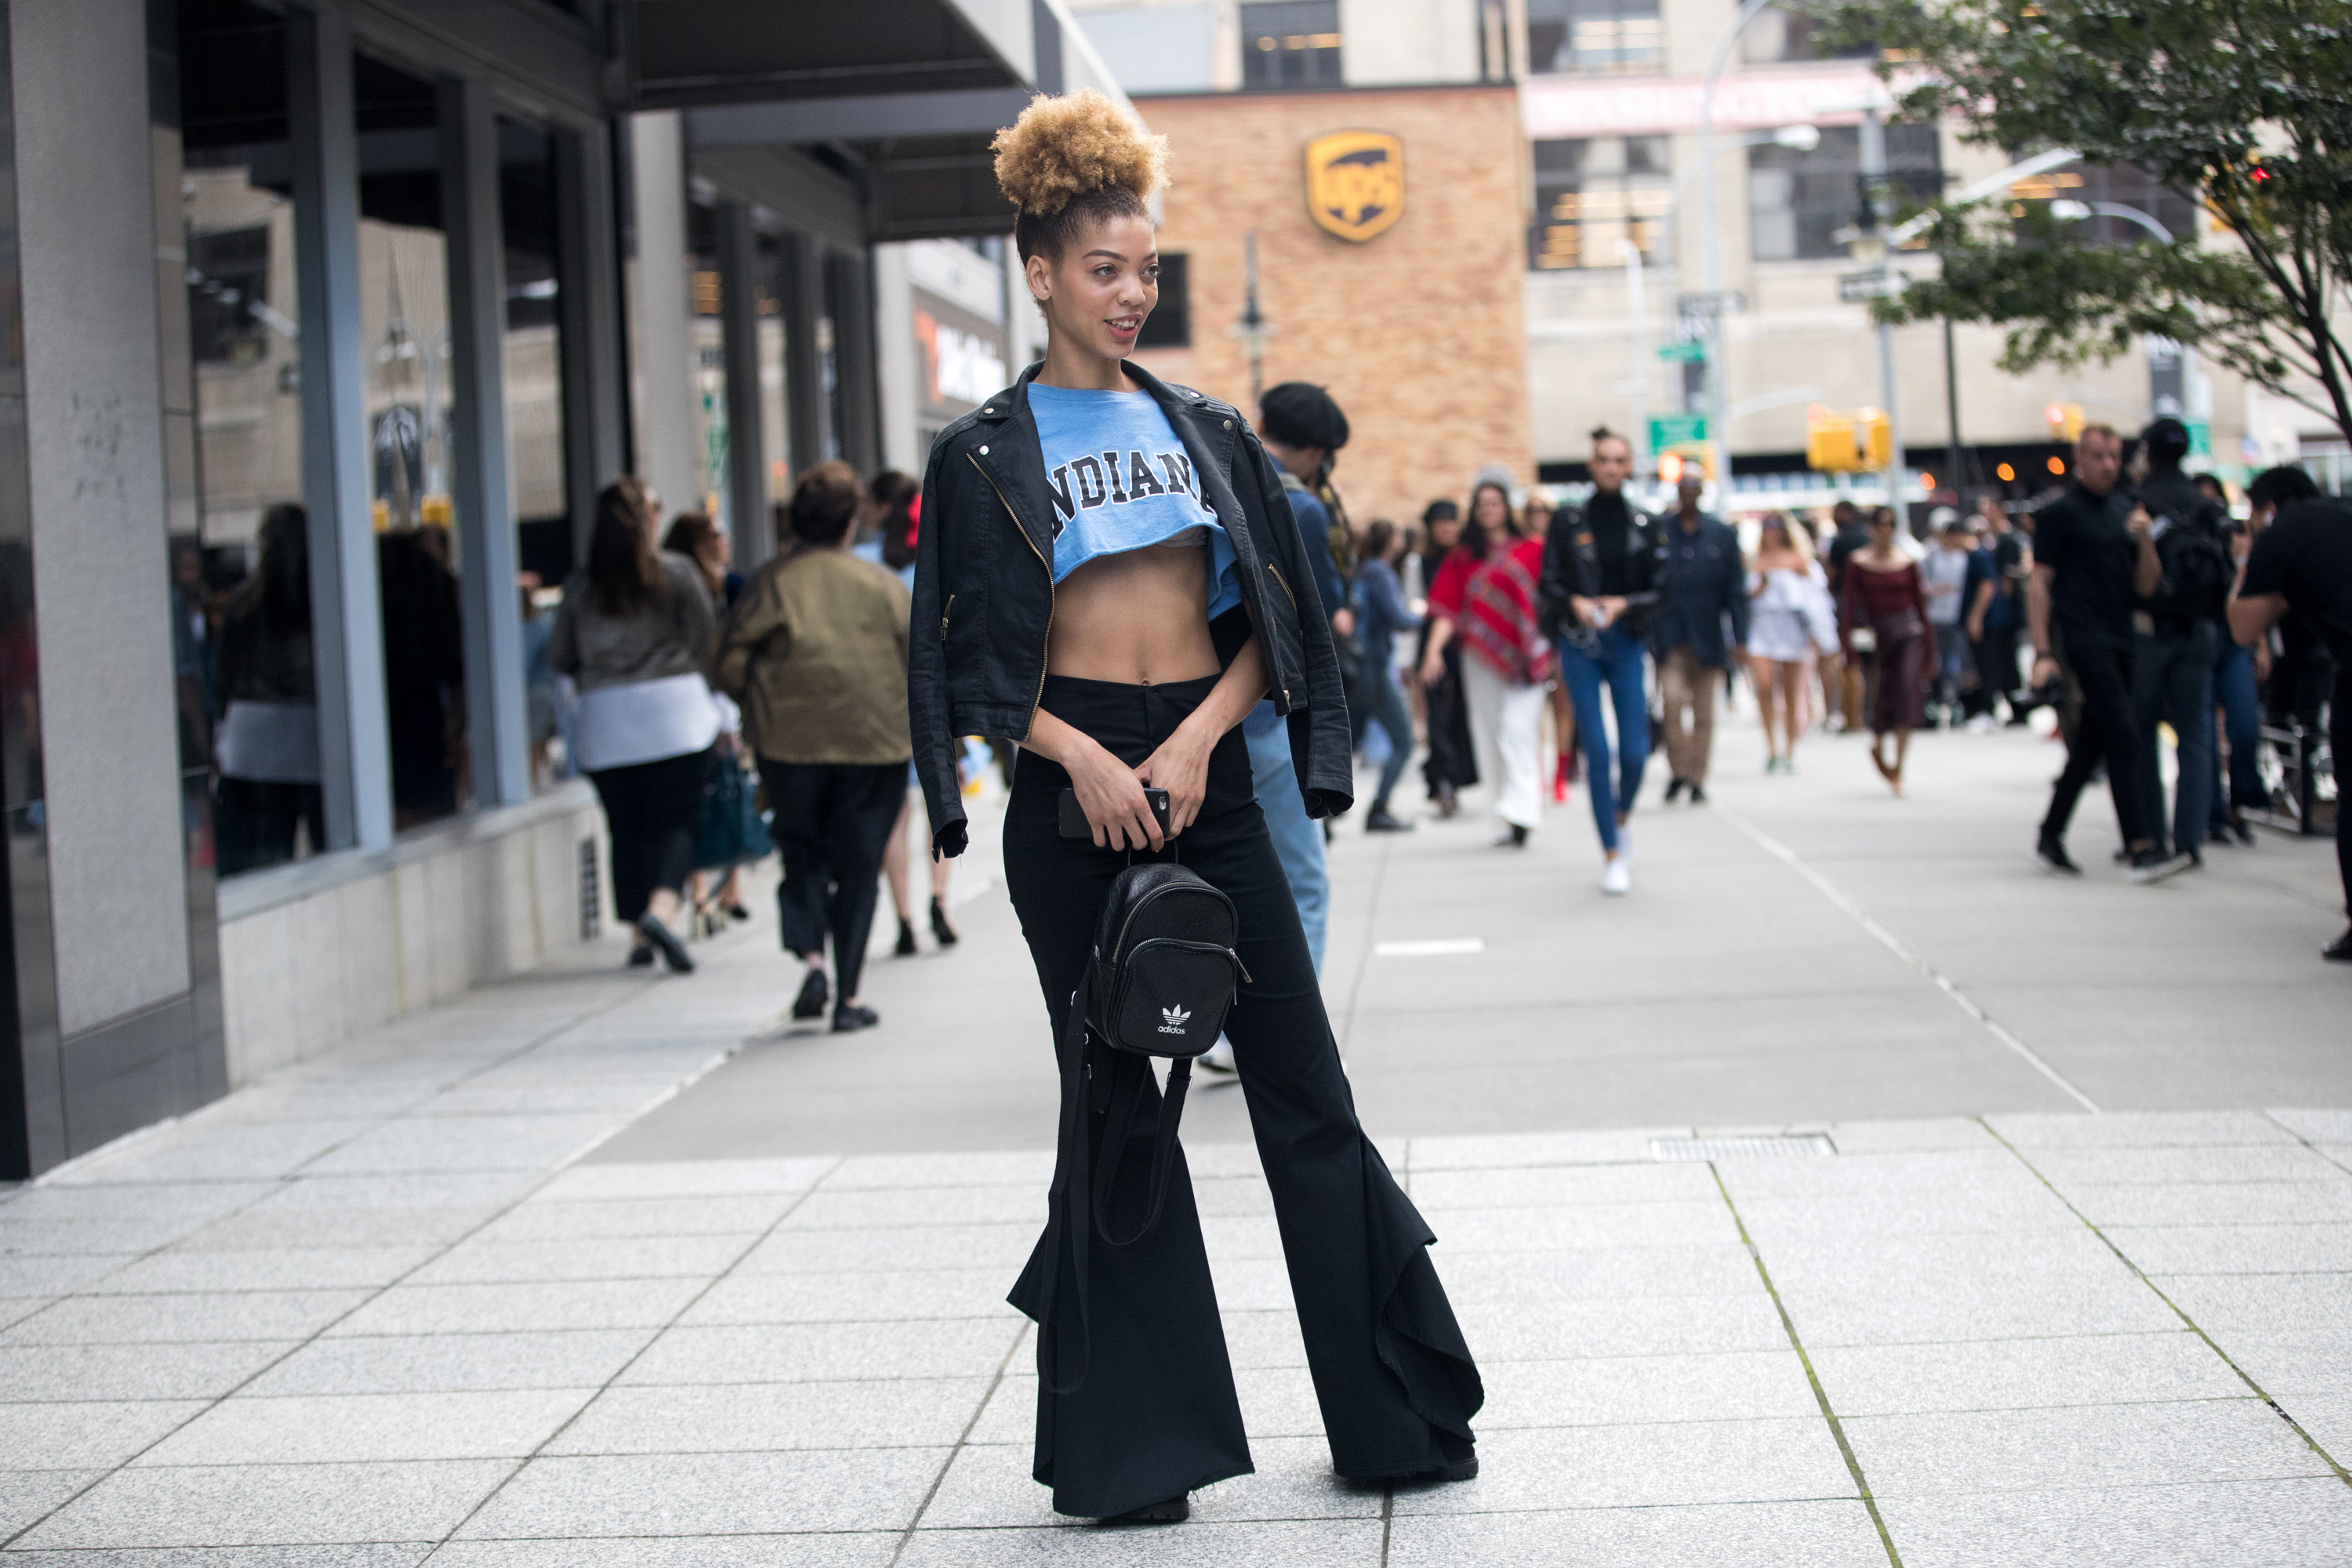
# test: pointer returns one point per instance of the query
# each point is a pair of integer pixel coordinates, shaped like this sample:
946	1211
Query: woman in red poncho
1485	596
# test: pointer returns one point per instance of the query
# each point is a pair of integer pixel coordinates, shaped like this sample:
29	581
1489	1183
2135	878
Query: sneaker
1788	765
1982	724
2340	949
1513	836
1771	765
849	1017
1674	789
1219	1058
1616	877
2051	850
2151	865
1378	820
1698	793
810	1003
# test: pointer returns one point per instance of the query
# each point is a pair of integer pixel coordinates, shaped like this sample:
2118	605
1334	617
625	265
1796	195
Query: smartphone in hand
1074	817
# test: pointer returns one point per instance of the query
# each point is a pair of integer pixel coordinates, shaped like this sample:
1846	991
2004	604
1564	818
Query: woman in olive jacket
1109	573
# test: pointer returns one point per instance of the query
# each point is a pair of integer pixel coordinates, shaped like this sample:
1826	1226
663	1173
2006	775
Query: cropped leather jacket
985	592
1572	568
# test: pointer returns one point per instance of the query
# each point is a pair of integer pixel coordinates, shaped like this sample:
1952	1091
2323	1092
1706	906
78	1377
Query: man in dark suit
1703	585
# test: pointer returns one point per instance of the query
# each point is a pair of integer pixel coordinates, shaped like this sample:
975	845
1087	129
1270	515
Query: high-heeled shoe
945	932
905	948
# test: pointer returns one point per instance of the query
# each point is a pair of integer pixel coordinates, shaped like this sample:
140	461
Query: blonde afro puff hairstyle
1071	160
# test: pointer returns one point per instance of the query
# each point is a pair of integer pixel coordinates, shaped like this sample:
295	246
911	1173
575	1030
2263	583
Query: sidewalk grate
1778	1146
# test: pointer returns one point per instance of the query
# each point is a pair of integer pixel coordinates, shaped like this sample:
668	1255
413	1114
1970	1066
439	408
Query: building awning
902	96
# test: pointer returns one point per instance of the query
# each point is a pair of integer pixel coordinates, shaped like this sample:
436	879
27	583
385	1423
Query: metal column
739	326
346	611
487	554
854	352
1873	175
588	302
807	410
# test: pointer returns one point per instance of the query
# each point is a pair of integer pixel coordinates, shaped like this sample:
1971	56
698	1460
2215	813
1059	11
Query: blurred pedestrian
1945	574
1536	515
634	633
1381	614
2301	559
2238	674
270	804
817	653
1850	533
2177	631
1996	575
892	500
2092	554
1702	591
694	536
1788	597
423	674
1484	598
1884	612
1598	589
1452	764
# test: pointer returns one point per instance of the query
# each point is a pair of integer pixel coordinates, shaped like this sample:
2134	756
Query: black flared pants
1156	1413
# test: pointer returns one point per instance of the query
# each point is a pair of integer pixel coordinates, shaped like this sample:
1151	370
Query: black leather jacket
984	591
1572	568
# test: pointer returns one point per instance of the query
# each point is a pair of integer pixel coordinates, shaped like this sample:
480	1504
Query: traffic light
2065	422
1838	442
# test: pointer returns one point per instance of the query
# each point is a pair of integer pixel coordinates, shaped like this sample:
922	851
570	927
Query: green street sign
2201	437
1690	351
1677	430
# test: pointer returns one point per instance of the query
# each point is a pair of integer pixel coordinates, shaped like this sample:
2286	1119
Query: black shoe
1175	1510
665	940
810	1003
944	933
2243	829
1378	820
2122	857
1674	789
2051	850
905	948
1699	794
1460	1460
2155	866
736	912
641	958
2340	949
849	1017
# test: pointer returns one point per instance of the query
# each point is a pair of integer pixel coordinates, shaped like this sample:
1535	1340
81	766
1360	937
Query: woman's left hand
1180	766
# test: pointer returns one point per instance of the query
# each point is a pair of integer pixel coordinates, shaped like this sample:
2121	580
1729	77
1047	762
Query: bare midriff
1139	617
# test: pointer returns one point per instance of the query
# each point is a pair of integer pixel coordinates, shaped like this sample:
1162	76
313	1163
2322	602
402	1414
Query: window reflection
403	259
706	349
240	590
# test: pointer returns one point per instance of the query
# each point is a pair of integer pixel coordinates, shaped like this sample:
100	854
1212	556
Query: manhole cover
1775	1147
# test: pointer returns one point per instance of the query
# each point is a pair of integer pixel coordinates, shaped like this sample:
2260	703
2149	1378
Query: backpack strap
1129	1076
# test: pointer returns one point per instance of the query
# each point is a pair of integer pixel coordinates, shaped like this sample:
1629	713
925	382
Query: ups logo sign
1355	182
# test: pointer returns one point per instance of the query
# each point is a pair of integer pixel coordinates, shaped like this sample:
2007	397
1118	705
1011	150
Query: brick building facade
1418	332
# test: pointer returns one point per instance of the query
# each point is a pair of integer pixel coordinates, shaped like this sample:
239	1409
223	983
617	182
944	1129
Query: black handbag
1158	982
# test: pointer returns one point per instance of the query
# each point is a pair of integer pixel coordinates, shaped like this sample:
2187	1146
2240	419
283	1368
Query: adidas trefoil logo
1176	1019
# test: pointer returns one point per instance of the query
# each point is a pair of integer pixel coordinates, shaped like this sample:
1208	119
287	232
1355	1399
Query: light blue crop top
1122	481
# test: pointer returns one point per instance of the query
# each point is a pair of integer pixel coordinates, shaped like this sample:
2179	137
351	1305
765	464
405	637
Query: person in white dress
1788	598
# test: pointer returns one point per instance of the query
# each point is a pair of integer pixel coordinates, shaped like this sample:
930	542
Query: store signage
1671	430
960	366
1854	287
1355	182
1566	108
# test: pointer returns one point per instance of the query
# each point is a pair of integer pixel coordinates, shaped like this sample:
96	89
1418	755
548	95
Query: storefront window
1595	37
1290	43
527	215
1798	200
705	347
775	387
1592	195
404	263
240	586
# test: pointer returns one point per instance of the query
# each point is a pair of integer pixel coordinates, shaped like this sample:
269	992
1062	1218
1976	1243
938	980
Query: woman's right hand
1111	795
1591	613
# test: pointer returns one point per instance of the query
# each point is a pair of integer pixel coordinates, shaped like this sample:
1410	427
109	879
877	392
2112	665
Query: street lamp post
1252	329
1716	447
1872	250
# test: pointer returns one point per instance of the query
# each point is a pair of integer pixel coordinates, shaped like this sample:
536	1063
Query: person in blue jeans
1599	585
1380	611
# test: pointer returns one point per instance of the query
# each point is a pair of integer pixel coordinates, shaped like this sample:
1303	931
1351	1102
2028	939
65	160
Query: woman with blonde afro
1109	573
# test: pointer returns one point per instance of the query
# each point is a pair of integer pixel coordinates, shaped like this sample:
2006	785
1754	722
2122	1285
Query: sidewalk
419	1301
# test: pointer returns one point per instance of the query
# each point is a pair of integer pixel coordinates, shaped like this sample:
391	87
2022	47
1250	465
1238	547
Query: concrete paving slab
898	1208
1959	1452
2017	1374
478	1261
619	1218
1644	1466
2287	1309
435	1363
175	1272
1568	1185
26	1495
1637	1390
2195	1203
826	1352
685	1179
48	1372
2268	1523
185	1318
710	1494
2067	1169
1004	1247
2315	1124
467	1143
86	1434
1543	1330
864	1549
1325	1544
48	1276
852	1298
2140	1130
1679	1222
745	1417
1600	1273
1823	1534
398	1554
2237	1250
263	1505
883	1172
370	1427
408	1310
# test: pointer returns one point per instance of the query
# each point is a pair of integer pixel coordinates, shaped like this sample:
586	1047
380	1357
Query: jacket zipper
943	617
974	459
1276	572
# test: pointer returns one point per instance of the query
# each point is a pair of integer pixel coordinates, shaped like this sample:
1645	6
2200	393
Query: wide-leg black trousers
1156	1415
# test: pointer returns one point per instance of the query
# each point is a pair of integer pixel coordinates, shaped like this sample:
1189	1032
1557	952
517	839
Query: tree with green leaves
2246	105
